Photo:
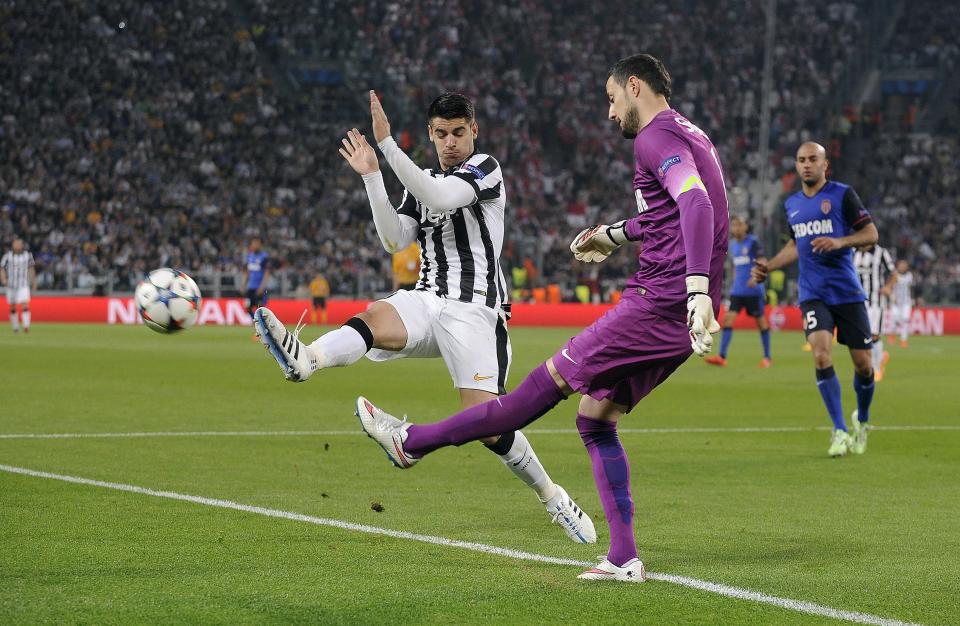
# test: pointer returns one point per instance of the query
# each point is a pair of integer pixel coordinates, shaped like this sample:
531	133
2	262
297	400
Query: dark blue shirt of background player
834	211
256	275
256	269
744	252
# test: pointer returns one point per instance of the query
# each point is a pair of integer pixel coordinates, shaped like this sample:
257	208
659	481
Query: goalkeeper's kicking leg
614	363
543	389
380	326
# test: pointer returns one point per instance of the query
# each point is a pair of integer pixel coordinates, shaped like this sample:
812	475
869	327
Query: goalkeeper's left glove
700	320
596	243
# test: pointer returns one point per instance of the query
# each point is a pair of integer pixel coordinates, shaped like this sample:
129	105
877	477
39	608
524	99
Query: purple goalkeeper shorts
625	354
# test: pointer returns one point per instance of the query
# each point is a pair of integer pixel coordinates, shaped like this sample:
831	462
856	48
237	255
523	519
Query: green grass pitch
764	510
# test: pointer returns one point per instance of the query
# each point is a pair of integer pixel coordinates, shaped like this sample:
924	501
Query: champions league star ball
168	300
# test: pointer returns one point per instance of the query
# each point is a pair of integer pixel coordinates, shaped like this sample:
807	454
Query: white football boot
387	431
573	520
840	443
631	572
295	358
859	443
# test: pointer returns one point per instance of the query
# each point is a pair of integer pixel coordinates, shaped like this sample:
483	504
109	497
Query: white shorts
901	312
875	313
20	295
471	338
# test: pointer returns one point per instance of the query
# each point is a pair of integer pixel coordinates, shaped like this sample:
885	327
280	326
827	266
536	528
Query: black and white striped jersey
903	288
874	267
17	267
460	249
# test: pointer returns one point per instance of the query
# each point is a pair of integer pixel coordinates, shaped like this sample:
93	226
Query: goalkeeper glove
596	243
700	320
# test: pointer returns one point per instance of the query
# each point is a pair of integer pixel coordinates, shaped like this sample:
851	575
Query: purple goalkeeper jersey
683	223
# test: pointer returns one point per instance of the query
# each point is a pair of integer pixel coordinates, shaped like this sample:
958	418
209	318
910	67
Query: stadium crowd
919	41
149	134
161	133
912	185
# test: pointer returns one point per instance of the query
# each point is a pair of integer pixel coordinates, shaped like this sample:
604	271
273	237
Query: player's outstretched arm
760	260
438	195
595	244
866	236
396	231
786	256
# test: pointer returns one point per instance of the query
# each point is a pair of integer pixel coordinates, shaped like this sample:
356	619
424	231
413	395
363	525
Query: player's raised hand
596	243
759	272
358	153
381	125
825	244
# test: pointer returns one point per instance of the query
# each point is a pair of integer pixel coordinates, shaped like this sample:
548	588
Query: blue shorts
850	320
256	300
753	304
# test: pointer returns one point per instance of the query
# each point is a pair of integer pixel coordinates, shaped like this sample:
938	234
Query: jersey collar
438	169
826	184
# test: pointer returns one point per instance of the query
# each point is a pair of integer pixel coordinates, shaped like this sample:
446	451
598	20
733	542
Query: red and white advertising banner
231	312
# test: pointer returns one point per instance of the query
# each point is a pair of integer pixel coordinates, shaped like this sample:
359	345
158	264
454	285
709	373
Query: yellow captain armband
692	182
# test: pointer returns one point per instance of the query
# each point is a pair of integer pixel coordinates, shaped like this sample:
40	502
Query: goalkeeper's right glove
596	243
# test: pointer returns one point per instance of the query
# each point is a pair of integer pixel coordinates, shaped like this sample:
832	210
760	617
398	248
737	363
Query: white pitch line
532	431
739	593
198	433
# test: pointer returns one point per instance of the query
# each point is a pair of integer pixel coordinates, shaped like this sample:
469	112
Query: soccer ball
168	300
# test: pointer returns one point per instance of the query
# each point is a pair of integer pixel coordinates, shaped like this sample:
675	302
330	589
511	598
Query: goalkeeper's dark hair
647	68
450	106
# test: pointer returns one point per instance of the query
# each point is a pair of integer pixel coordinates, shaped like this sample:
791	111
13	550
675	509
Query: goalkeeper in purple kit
667	311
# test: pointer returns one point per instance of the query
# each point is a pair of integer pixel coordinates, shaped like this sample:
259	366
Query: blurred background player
319	291
826	220
256	275
456	210
406	268
745	294
18	276
902	301
875	267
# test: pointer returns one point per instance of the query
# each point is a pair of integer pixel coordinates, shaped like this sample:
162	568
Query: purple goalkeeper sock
611	472
537	394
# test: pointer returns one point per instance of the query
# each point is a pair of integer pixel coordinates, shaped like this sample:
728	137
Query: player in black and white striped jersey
18	276
460	249
457	309
902	305
875	267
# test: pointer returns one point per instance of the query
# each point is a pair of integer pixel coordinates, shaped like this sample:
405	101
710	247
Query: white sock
26	319
13	321
523	462
877	355
339	347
